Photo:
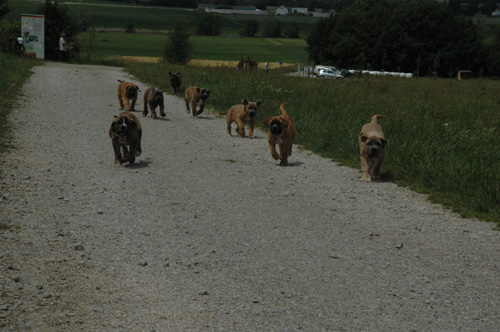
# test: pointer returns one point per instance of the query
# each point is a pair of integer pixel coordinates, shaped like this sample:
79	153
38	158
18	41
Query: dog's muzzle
252	113
276	128
373	150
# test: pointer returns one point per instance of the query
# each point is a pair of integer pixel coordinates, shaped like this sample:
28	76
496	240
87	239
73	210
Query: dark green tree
57	21
379	34
292	31
209	25
250	29
4	8
272	29
178	48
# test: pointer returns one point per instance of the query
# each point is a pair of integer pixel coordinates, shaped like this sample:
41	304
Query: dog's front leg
145	111
193	107
131	153
283	155
241	127
274	153
132	107
118	155
120	100
153	111
365	170
162	111
250	130
202	108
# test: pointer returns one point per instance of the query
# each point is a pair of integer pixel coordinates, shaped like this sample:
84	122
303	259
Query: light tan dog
154	98
281	131
126	136
371	149
242	114
196	97
129	92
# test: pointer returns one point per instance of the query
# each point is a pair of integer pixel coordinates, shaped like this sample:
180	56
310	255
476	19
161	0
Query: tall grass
442	135
14	71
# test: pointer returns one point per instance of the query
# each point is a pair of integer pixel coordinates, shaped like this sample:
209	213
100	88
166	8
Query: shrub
178	48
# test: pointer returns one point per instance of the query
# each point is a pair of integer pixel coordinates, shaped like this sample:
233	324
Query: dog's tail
377	116
282	108
120	81
224	113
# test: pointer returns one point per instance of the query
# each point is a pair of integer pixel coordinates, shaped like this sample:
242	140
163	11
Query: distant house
281	10
299	10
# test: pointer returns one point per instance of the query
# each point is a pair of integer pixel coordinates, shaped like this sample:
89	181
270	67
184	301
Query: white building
281	10
299	10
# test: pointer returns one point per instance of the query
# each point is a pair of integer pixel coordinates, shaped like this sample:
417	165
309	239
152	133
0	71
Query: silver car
328	73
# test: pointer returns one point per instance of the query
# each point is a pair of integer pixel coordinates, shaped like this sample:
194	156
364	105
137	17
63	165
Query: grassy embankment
14	72
442	135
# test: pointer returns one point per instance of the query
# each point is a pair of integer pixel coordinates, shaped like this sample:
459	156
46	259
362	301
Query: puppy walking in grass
371	149
242	114
282	132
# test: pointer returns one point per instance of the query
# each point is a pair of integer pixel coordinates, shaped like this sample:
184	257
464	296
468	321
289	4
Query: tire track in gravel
206	233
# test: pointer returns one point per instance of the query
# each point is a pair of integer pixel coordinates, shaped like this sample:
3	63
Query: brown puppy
371	149
282	131
126	135
241	115
154	98
129	92
196	97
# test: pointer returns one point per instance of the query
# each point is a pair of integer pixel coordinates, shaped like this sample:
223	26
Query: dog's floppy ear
267	121
363	137
198	90
259	102
208	92
245	102
384	142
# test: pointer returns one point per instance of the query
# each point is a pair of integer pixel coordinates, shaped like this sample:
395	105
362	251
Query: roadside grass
14	72
442	135
107	44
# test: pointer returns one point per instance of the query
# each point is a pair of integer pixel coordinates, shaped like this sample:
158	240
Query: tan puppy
129	92
241	115
371	149
196	97
126	135
282	131
154	98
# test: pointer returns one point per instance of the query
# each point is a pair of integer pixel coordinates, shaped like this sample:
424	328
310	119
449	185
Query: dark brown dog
242	114
126	135
196	97
282	131
154	98
371	149
175	81
129	92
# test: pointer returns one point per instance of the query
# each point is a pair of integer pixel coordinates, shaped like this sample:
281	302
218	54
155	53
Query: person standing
63	48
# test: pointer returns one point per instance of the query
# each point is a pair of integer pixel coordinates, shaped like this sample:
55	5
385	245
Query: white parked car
328	73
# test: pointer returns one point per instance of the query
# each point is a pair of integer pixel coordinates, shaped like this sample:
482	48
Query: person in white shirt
63	48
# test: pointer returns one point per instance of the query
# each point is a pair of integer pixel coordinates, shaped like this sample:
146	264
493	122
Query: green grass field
112	15
106	44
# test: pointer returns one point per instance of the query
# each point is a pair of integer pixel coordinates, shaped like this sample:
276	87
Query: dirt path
207	233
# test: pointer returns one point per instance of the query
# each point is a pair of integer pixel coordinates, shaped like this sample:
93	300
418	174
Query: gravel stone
306	247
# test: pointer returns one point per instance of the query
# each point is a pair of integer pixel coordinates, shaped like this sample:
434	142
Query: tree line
421	36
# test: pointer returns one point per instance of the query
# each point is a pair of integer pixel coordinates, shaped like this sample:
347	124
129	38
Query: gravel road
207	233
